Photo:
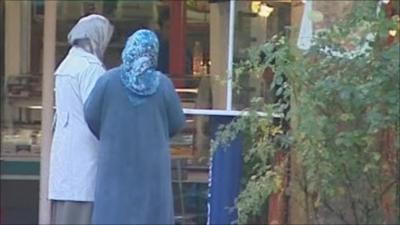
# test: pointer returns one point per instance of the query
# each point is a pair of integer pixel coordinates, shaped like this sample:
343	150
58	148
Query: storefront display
21	119
21	136
199	74
21	124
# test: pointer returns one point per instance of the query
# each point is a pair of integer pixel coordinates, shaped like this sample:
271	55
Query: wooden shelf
24	101
27	126
16	158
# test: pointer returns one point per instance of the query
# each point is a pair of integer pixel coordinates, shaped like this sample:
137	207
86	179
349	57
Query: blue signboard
225	174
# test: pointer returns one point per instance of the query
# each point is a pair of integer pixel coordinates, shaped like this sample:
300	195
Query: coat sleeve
88	79
94	106
175	116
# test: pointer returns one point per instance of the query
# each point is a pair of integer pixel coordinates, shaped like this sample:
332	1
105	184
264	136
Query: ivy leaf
279	80
279	91
346	117
376	156
345	94
316	16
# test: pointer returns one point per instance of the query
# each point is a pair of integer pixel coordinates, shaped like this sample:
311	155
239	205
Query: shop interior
199	84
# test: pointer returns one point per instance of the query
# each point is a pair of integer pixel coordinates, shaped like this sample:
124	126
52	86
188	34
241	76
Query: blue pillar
225	174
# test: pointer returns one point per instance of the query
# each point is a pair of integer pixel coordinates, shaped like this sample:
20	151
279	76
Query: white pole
230	54
49	41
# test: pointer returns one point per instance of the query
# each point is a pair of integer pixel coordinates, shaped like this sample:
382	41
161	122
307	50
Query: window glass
190	148
21	37
190	170
22	76
256	23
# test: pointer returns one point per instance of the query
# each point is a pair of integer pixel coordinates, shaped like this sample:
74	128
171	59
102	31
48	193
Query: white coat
73	158
73	163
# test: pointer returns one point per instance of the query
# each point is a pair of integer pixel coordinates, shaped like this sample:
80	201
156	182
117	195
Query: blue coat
134	171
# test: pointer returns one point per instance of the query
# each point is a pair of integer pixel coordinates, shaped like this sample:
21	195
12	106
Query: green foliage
342	104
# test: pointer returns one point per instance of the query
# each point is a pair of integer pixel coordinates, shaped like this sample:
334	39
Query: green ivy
339	107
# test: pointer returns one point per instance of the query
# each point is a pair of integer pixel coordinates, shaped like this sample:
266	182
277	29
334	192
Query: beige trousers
71	212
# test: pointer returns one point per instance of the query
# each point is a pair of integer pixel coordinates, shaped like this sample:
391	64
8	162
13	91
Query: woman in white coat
73	162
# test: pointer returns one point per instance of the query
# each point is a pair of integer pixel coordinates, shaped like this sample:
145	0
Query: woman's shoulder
111	74
114	71
165	80
107	78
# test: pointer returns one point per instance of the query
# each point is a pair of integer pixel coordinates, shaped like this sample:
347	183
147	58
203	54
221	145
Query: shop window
190	149
200	40
255	27
21	82
22	75
126	16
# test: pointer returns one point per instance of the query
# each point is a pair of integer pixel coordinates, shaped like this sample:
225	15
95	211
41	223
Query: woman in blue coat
134	111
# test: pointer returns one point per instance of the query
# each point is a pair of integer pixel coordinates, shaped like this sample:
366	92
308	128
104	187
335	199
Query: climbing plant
340	105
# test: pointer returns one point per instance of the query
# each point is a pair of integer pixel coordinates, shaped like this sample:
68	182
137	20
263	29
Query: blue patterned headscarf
139	62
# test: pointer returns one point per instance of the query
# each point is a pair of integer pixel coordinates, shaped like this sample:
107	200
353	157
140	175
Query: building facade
200	42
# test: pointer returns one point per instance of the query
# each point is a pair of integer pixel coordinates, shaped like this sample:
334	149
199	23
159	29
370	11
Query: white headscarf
95	29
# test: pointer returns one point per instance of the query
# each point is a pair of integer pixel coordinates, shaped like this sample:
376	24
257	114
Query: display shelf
20	157
17	158
15	168
194	178
19	177
22	101
28	126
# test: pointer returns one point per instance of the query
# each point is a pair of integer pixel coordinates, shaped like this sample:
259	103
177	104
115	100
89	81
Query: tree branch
350	194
